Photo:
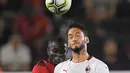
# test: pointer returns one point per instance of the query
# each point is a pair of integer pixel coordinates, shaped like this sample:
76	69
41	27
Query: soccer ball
58	7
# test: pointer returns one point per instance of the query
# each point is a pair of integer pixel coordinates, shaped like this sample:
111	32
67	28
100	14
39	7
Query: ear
86	40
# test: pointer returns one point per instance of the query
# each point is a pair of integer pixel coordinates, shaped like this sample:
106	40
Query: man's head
15	40
76	37
56	50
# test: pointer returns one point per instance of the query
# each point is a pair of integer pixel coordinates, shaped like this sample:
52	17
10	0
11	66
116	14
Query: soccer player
81	61
57	52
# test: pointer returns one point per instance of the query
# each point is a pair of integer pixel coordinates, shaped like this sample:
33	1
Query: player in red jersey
57	52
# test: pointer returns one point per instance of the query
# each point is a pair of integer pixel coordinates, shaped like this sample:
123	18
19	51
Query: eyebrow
70	35
77	32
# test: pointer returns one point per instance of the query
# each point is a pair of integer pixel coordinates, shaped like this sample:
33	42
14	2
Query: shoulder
98	62
101	63
5	47
100	66
40	66
60	65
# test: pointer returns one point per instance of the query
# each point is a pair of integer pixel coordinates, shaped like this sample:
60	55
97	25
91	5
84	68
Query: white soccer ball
58	7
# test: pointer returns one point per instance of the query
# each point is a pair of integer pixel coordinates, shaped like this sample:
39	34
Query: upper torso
88	66
15	58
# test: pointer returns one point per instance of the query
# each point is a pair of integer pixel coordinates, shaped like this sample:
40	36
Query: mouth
56	59
58	54
75	45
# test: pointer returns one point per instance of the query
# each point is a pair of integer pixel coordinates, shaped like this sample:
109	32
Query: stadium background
29	21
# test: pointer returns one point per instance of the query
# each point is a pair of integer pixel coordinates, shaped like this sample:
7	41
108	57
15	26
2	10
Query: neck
80	57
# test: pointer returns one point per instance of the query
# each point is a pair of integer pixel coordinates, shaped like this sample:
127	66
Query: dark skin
76	37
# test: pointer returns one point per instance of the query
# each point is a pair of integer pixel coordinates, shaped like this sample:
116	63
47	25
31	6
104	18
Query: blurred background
26	26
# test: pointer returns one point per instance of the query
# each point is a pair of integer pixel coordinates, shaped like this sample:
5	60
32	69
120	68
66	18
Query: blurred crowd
27	25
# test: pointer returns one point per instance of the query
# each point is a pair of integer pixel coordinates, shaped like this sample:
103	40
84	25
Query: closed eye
70	36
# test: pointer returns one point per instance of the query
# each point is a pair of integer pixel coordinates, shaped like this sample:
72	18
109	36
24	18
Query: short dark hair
74	24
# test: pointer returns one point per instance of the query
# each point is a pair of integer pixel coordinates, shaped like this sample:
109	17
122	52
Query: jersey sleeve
58	68
102	68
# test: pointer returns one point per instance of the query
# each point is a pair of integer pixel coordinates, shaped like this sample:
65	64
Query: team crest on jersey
65	70
88	69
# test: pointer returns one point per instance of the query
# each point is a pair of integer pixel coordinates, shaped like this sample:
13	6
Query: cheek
69	42
82	39
50	52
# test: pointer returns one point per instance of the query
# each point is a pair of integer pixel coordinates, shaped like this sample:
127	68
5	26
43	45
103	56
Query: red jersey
43	67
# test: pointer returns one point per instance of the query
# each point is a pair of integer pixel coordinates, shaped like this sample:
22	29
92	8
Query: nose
74	40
